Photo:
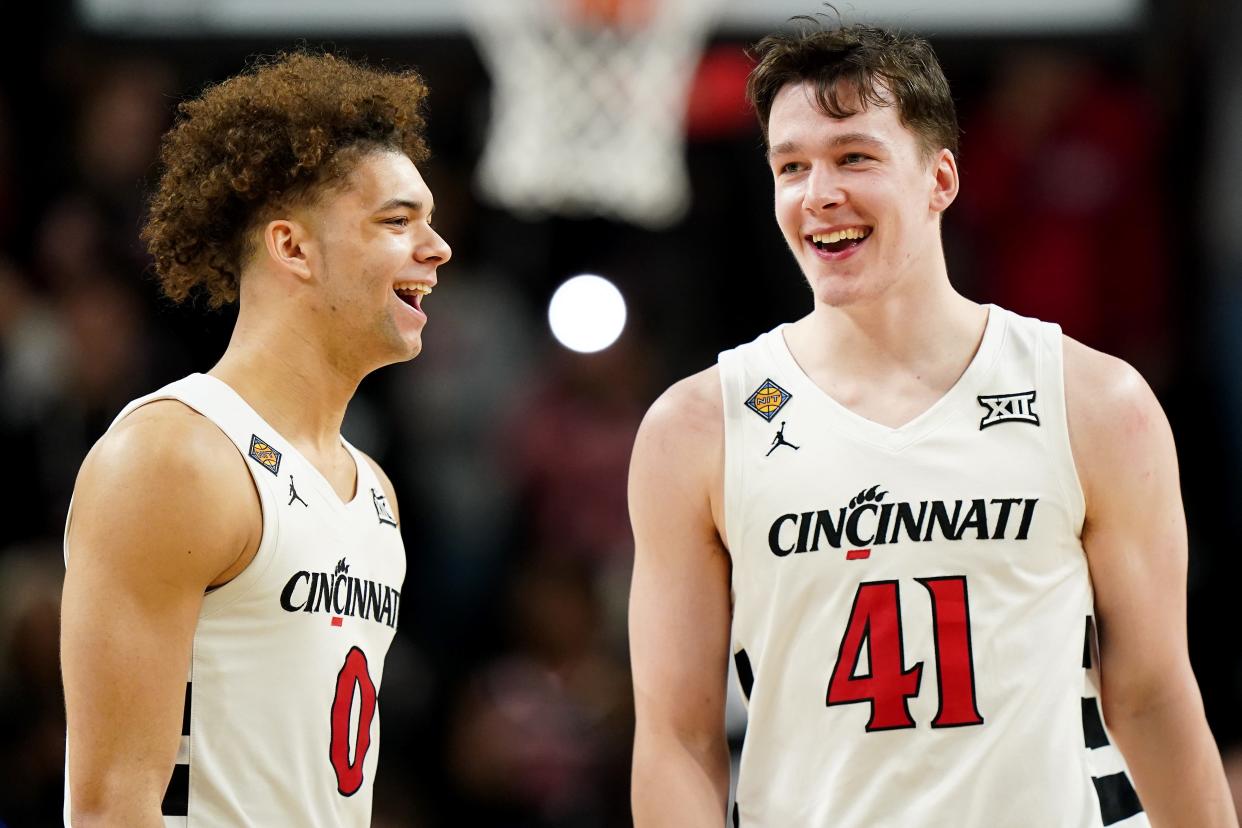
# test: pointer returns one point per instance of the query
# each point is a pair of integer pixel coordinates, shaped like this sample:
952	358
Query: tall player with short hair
965	588
234	567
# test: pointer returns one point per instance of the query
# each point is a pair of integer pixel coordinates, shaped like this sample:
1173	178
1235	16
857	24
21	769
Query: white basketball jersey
281	721
912	606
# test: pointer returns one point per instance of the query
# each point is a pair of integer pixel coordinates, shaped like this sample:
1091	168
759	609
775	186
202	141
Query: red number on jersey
875	621
955	663
355	677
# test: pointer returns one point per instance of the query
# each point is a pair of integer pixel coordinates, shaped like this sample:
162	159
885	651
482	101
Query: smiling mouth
840	240
413	294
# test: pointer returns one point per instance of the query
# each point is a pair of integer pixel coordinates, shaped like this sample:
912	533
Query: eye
854	158
398	221
790	167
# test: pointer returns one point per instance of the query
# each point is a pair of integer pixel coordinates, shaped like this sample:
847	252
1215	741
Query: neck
917	324
290	378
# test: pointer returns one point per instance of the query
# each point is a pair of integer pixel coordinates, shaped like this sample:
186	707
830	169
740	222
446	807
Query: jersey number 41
875	622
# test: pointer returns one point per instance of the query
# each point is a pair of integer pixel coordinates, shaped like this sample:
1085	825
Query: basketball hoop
589	104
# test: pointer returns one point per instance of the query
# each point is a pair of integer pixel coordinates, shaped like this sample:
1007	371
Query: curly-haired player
234	567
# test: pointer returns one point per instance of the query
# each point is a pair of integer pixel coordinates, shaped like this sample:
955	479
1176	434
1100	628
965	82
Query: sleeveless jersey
912	606
281	720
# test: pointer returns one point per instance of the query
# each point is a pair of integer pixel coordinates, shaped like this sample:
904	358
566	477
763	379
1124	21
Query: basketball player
907	595
234	566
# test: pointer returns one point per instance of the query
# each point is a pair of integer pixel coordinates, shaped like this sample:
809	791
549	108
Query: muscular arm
1135	541
679	611
163	509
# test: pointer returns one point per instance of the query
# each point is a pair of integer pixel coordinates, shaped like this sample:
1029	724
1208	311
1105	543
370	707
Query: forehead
380	177
797	119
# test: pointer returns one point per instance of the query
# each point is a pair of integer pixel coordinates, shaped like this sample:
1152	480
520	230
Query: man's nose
823	189
434	249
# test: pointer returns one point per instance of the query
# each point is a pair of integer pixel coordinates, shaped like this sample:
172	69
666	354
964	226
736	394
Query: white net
588	113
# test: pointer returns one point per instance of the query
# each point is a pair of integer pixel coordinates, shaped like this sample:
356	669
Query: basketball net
588	104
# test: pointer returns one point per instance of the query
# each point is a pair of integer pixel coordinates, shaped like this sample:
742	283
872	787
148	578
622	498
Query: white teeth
838	235
414	287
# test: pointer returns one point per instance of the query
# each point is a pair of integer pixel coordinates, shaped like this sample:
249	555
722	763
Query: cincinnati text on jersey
867	522
341	594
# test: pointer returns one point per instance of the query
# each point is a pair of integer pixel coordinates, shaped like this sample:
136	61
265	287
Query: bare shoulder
389	492
677	469
158	442
165	477
1117	427
689	413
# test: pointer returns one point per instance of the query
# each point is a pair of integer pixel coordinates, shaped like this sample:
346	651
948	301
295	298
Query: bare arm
680	611
1135	540
163	508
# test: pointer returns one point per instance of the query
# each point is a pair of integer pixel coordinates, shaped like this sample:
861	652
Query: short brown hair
881	67
276	134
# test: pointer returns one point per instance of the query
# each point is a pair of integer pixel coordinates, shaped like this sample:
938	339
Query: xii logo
381	508
1008	408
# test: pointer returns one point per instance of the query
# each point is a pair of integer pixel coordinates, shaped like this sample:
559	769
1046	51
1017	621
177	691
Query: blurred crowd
1100	189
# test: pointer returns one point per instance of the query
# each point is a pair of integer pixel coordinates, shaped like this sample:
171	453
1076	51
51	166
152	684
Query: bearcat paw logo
867	496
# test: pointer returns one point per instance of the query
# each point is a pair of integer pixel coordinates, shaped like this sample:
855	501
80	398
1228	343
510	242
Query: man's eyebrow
786	147
394	203
857	138
783	148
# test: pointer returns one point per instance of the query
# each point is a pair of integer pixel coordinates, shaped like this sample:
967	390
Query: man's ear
944	176
286	241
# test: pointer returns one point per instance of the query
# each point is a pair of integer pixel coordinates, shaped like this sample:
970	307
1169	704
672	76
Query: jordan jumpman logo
293	494
779	440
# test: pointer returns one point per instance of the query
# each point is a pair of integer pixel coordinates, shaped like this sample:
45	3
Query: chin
404	342
412	349
836	292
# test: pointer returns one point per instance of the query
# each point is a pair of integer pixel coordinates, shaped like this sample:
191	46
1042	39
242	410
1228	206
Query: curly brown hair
277	134
881	67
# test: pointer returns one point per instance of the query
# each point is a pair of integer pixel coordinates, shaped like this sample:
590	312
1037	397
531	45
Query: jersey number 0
875	622
354	678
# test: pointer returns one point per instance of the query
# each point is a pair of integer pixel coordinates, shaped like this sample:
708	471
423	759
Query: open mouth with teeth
412	293
839	241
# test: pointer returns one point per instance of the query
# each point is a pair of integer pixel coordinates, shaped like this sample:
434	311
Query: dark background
1098	175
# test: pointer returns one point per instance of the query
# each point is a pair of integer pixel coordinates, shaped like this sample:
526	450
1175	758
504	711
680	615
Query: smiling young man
942	543
234	567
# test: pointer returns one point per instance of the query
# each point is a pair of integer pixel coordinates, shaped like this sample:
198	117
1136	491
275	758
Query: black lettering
386	612
323	595
396	608
905	517
371	606
851	525
774	538
824	525
1028	513
357	596
940	515
881	530
286	595
804	530
337	583
977	519
1002	520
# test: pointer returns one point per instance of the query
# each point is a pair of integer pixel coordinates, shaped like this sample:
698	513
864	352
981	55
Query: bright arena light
587	314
